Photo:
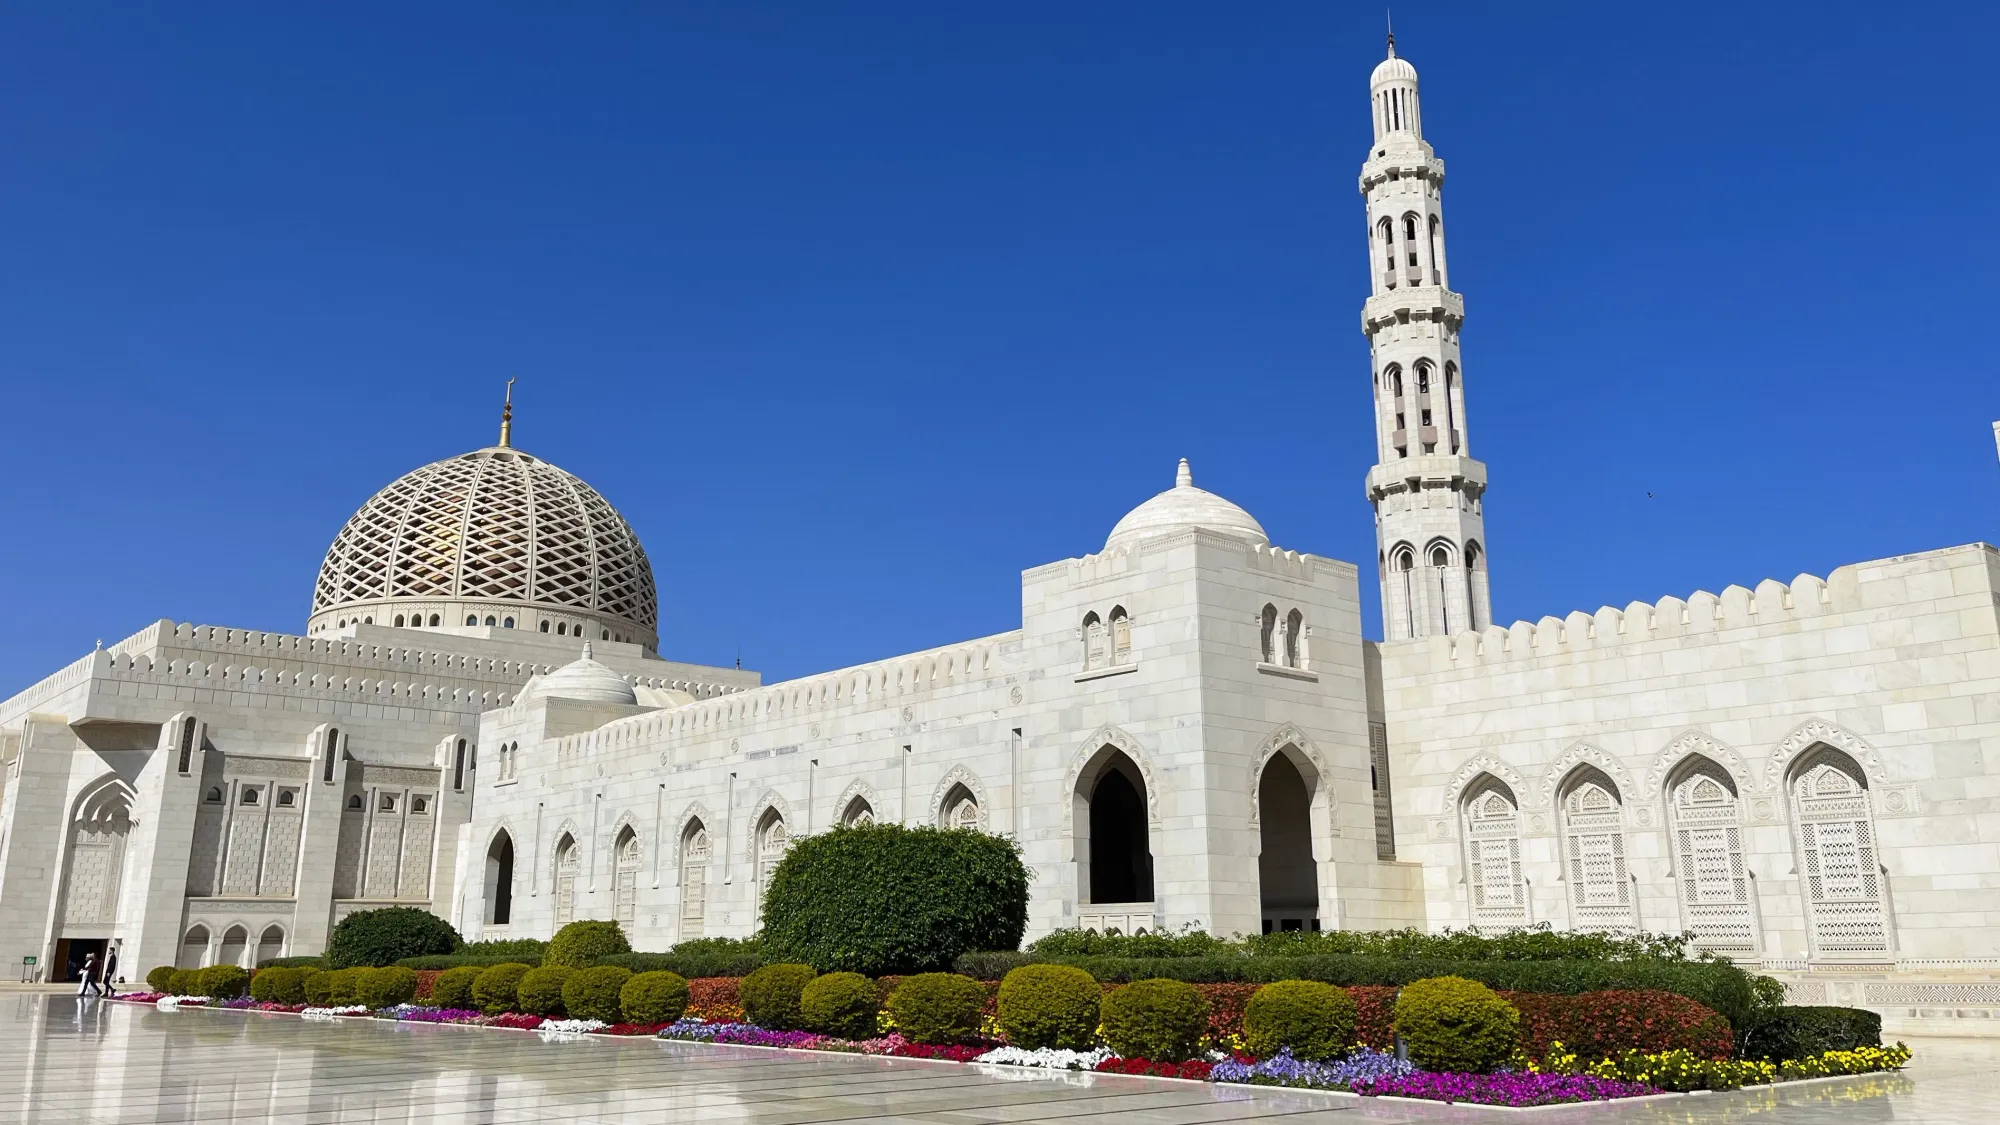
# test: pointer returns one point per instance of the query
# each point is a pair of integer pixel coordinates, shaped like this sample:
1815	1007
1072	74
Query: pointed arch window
625	884
1492	819
1708	853
1295	627
1121	636
568	864
1839	870
857	813
1267	635
694	880
1600	885
772	840
1093	641
961	808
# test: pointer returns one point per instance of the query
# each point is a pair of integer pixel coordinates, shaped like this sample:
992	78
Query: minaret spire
507	418
1427	491
1391	18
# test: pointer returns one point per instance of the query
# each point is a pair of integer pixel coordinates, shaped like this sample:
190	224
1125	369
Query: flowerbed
1194	1069
1517	1089
1359	1068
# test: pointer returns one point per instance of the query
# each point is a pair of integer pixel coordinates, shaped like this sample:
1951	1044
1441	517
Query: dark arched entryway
1121	859
1287	877
500	880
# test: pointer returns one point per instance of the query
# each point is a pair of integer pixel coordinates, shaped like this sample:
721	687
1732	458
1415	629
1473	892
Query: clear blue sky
857	310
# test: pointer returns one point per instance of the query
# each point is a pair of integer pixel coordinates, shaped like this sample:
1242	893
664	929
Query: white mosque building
1187	728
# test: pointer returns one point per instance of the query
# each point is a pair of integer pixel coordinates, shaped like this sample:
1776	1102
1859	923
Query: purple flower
1282	1069
1504	1089
742	1034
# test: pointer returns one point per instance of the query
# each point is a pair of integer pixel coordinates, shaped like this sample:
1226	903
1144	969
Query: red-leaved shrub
1374	1013
714	999
1599	1025
426	978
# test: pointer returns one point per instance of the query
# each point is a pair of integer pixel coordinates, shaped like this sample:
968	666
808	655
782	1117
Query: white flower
571	1027
171	1002
1048	1057
330	1013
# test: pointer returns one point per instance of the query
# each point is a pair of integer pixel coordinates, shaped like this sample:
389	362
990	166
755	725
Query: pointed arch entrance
1287	875
1114	852
500	880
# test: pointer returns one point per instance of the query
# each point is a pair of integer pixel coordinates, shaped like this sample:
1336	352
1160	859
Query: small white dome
1182	508
1392	69
582	679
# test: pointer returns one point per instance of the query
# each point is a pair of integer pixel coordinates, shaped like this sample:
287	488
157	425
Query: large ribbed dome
493	537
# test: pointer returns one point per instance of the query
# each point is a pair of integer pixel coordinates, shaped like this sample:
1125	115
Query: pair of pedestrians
103	978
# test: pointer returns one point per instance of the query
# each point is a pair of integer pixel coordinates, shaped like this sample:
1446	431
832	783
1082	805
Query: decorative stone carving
1108	735
1287	734
1689	744
1815	731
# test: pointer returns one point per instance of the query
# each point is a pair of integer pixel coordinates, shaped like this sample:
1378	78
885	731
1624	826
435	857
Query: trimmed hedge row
1791	1031
1722	987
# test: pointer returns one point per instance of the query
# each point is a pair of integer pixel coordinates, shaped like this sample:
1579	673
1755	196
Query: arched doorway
1116	854
1287	876
235	940
270	944
194	949
91	870
500	880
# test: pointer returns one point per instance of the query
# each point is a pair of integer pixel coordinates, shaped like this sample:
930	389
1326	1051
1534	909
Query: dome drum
483	539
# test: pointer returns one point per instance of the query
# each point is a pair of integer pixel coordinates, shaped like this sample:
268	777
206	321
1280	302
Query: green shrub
497	987
185	982
386	987
440	961
656	997
991	964
383	937
528	950
701	957
224	982
1317	1021
453	987
770	996
1160	1019
1451	1023
160	978
1049	1006
593	993
541	990
1719	985
292	963
1534	943
279	985
580	944
1090	943
331	988
1798	1031
844	1005
882	898
937	1008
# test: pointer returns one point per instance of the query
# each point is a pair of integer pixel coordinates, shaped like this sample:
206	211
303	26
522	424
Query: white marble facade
1187	728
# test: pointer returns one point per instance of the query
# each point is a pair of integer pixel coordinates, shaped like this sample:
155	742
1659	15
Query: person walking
87	980
108	982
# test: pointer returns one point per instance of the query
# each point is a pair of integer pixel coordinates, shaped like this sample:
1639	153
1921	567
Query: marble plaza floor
65	1061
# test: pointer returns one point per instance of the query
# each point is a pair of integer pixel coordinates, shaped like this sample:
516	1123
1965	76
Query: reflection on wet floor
90	1061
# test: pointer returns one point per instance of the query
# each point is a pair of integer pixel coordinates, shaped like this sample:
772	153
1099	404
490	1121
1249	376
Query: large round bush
541	990
770	996
881	898
1451	1023
841	1004
160	978
1049	1006
279	985
224	982
937	1007
184	982
497	988
368	938
1157	1019
331	988
655	997
386	987
453	987
1317	1021
579	944
592	994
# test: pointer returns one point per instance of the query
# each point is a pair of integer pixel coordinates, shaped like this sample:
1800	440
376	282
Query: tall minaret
1426	489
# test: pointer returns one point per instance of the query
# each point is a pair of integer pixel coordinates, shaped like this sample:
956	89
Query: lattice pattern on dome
492	525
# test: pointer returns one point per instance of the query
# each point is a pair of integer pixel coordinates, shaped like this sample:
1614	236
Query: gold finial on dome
507	418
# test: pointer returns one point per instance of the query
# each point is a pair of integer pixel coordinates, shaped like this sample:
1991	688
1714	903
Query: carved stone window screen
1493	866
1708	843
1840	873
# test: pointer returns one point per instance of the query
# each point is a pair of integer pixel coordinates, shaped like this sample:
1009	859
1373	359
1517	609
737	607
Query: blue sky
858	310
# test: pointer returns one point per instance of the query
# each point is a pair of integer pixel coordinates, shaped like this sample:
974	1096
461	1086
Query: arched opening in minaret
1451	406
500	880
1287	876
1437	262
1115	854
